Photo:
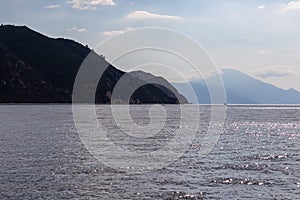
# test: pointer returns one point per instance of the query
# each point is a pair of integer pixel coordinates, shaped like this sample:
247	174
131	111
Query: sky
258	37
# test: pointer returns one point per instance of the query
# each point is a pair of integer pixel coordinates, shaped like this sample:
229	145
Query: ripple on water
271	157
182	195
240	181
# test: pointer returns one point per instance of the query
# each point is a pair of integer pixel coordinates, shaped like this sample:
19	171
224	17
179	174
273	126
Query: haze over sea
256	157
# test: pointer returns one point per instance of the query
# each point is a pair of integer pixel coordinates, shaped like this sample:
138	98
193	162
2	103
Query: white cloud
52	6
293	5
139	15
262	51
276	72
194	75
90	4
261	7
116	32
77	29
81	30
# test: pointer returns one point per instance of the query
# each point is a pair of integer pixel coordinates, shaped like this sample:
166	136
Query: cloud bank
52	6
276	72
143	15
90	4
116	32
77	29
261	7
293	5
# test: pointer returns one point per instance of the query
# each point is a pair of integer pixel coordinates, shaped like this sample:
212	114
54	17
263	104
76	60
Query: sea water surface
257	156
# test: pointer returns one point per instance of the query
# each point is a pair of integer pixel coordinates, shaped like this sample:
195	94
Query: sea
44	155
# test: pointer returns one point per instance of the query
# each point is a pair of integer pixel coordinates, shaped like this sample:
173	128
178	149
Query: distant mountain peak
242	88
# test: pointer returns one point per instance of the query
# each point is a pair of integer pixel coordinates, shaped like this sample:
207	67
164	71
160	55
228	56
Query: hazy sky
259	37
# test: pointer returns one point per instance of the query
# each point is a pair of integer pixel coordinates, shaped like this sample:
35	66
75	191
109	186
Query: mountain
37	69
161	83
240	88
